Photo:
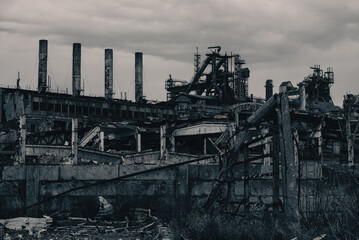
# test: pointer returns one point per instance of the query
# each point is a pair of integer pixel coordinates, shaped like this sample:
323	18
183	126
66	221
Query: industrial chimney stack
76	69
138	76
108	73
269	89
42	74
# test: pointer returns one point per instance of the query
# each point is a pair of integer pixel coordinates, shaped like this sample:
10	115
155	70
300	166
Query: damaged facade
211	143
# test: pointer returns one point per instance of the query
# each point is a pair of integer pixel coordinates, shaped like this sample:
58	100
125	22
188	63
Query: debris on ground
143	225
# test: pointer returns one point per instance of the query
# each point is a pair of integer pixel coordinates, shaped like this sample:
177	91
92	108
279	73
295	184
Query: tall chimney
269	89
76	69
138	76
42	75
108	73
302	96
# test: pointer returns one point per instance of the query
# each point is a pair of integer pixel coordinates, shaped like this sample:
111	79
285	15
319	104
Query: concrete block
208	172
203	172
311	171
55	188
261	187
193	171
182	182
101	172
145	188
88	172
238	171
266	169
165	174
200	188
239	188
49	173
14	173
9	188
67	172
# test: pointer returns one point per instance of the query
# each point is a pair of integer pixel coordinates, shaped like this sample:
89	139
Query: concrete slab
49	173
200	188
88	172
14	173
9	188
166	174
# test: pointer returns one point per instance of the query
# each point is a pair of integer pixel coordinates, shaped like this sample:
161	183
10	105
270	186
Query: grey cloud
266	33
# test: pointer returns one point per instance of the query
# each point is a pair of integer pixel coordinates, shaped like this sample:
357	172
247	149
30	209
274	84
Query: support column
162	141
237	120
173	143
22	139
138	141
349	142
296	150
205	146
32	190
74	140
291	203
102	141
266	147
246	181
276	157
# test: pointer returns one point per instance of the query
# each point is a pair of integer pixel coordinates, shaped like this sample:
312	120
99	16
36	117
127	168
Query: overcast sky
279	39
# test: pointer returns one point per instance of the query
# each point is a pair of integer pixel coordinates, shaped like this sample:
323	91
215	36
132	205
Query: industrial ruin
211	144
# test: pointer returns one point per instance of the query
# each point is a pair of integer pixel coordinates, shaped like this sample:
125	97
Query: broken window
64	108
85	111
71	109
92	111
57	107
35	106
42	106
78	110
50	107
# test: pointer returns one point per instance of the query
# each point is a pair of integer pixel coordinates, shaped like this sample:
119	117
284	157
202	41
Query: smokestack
138	76
76	69
42	75
108	73
302	96
269	89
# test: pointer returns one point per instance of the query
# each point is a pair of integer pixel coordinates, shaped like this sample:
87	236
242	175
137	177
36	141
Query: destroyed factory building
212	144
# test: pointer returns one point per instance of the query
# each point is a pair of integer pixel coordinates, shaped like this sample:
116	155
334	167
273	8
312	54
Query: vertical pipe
266	147
76	69
22	139
108	73
74	140
173	143
162	141
269	89
138	141
1	105
42	73
205	146
350	144
138	76
246	189
276	160
302	96
102	141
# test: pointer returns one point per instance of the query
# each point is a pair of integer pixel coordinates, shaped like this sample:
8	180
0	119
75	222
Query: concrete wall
166	192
